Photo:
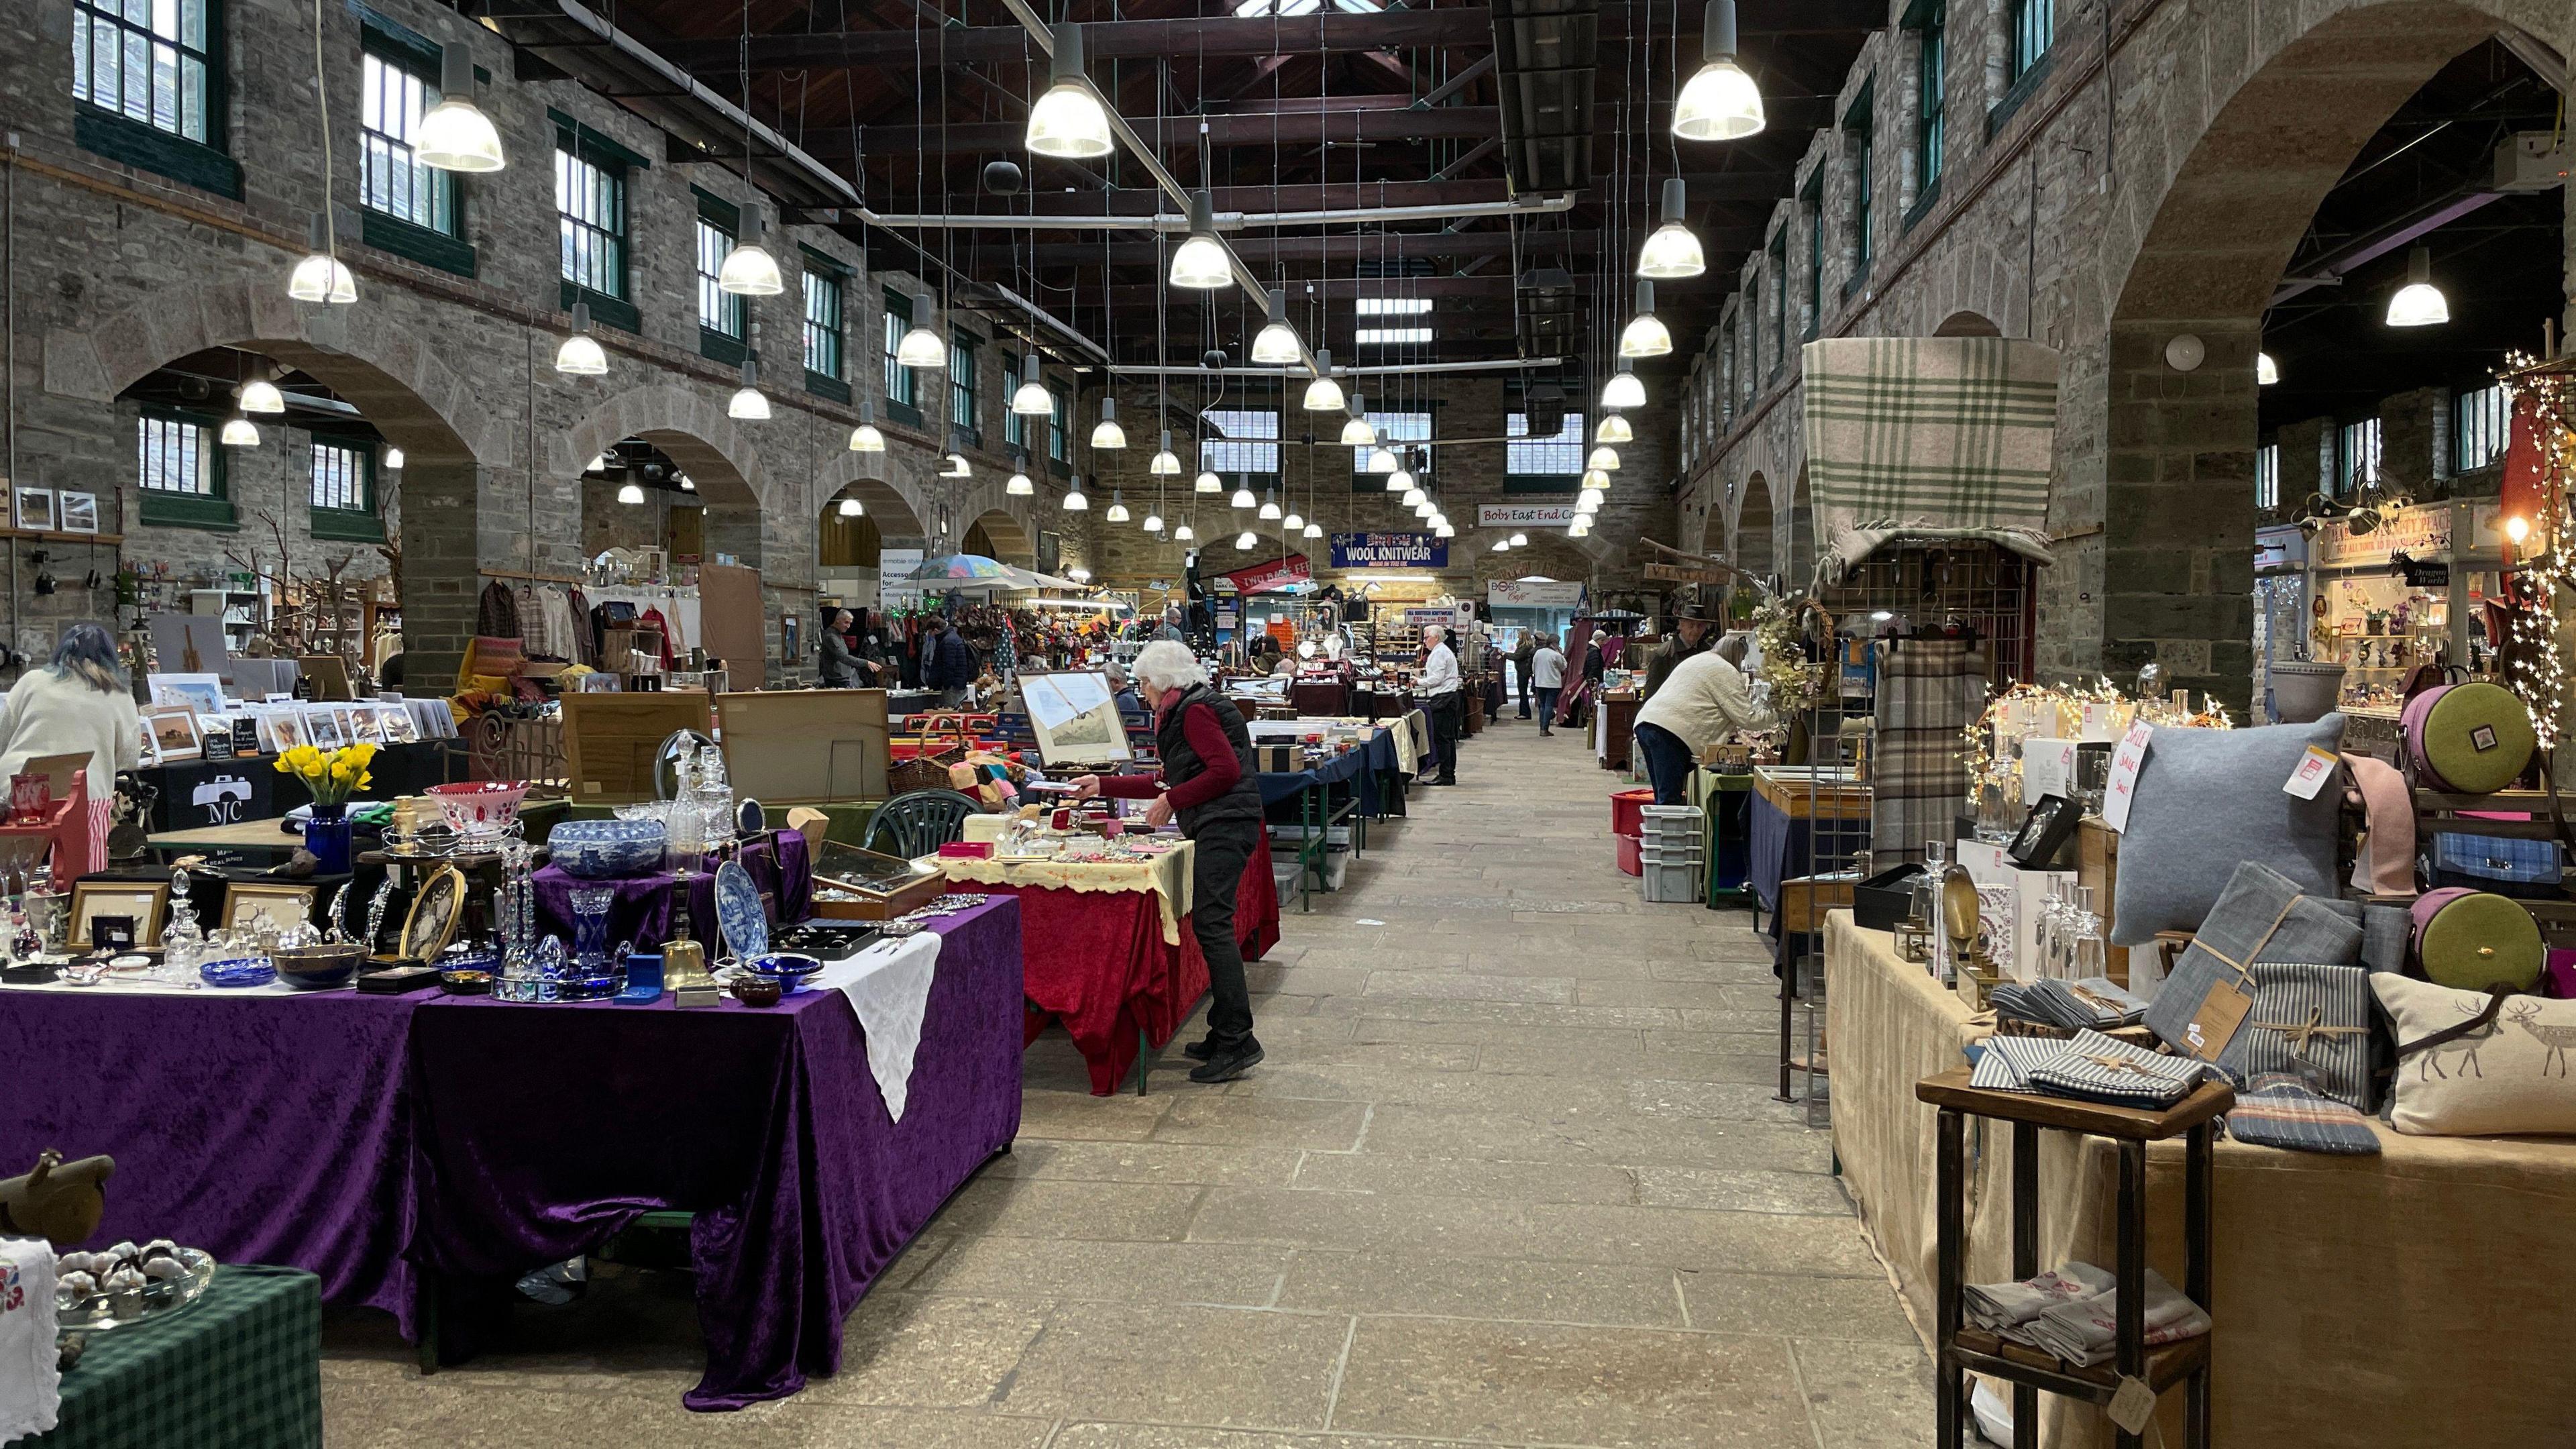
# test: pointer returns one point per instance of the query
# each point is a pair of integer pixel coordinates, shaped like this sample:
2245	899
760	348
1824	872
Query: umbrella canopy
964	567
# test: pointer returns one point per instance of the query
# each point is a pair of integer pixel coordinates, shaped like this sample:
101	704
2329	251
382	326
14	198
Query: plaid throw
1928	437
241	1368
1928	691
2284	1112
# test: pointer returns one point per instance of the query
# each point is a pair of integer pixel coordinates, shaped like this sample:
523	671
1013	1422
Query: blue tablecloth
1784	849
1356	766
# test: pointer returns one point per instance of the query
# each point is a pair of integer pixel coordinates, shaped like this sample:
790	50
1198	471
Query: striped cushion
2308	1022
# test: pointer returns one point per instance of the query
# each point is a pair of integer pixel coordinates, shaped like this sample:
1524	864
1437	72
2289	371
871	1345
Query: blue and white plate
738	912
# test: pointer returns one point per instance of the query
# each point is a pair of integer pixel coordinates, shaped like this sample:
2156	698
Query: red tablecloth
1097	961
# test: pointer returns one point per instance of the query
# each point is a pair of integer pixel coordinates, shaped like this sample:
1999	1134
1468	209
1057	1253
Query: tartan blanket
1928	437
1928	691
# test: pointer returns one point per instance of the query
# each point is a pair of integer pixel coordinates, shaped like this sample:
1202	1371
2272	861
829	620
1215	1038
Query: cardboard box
806	746
2047	768
2013	897
1278	759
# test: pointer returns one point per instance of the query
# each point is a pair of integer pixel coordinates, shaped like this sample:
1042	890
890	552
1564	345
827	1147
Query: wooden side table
1961	1348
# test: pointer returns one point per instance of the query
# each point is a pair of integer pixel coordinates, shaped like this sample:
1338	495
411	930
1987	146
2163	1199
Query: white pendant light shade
1201	263
1672	252
1520	540
2419	303
1443	530
393	460
1425	509
1069	119
747	400
920	345
1645	334
1623	390
1032	400
1401	481
1208	483
749	270
259	395
956	467
1242	498
1292	522
321	277
1270	508
1382	460
1153	523
240	432
1183	534
1356	433
1721	102
1324	395
1314	530
687	484
1587	500
1413	497
1108	436
850	508
580	354
631	493
866	439
1502	545
1275	345
1019	486
1166	463
1580	527
1597	478
1246	541
2266	371
598	463
1074	501
455	135
1605	458
1613	429
1117	510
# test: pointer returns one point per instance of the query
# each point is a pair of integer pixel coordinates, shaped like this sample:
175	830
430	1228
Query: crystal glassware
592	974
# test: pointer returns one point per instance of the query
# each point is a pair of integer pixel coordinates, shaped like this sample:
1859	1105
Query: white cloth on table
889	987
31	1388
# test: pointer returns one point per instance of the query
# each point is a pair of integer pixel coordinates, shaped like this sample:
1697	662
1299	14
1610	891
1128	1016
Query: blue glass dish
607	849
240	971
789	967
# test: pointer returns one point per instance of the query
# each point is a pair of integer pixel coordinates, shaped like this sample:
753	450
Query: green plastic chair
914	825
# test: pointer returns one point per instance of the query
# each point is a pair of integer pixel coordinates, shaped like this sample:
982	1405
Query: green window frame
590	221
181	471
965	398
822	325
148	88
1542	465
1779	300
1059	425
899	384
2033	29
1015	428
395	88
1860	125
1932	98
722	324
341	497
1814	199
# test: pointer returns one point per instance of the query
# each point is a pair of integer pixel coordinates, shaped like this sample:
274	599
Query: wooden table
270	835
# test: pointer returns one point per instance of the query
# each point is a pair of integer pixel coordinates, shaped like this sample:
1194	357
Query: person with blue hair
80	704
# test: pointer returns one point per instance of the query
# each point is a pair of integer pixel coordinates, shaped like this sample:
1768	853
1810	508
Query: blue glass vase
326	835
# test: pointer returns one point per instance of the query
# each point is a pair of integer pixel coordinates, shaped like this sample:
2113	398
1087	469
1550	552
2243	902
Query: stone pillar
441	576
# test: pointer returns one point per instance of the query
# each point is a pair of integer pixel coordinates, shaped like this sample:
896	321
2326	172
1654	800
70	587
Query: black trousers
1448	718
1216	874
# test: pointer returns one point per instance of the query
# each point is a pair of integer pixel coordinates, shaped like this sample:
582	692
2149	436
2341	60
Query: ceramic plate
738	913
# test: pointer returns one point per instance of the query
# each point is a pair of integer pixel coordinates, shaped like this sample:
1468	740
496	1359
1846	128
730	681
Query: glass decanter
2081	935
592	975
183	943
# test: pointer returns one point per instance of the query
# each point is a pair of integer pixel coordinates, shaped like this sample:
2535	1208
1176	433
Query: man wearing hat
1694	623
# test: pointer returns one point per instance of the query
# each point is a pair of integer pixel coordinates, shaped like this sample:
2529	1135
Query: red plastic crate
1629	860
1627	812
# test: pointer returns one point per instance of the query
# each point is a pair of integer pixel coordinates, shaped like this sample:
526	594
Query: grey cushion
2208	800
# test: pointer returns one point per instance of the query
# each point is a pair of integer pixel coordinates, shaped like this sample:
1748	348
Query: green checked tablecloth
241	1368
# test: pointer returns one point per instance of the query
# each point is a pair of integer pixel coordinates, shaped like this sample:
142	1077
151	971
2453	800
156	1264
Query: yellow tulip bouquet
332	775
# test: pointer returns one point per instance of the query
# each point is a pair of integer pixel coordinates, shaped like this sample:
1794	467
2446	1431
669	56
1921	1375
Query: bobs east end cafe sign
1390	551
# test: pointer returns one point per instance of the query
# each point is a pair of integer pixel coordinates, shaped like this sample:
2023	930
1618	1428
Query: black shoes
1225	1060
1197	1051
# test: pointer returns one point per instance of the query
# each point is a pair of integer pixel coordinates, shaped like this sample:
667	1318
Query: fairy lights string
2535	665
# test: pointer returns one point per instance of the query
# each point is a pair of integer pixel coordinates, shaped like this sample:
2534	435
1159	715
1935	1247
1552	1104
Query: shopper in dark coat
948	664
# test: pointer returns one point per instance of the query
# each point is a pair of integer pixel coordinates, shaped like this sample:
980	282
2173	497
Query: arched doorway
1756	532
997	535
1967	324
1802	534
852	533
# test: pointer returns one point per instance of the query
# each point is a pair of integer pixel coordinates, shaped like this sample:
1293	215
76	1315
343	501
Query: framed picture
366	724
78	512
34	509
400	729
143	905
247	905
147	750
174	733
434	911
323	729
2044	831
789	640
203	693
280	730
1075	717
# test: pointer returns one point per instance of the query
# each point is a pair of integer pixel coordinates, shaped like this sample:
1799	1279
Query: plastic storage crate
1671	881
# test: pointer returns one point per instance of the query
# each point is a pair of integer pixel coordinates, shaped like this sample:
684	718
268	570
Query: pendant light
1597	478
1202	264
240	432
321	276
687	484
1074	502
850	508
598	463
1242	497
1413	497
1314	529
393	460
1032	400
1208	483
259	395
580	354
1166	463
1269	505
1324	395
1581	526
1153	523
1426	509
1108	437
2419	303
1292	522
1623	390
1605	458
956	467
455	135
1721	102
1078	574
1183	534
865	438
1520	540
747	400
1019	485
1356	432
1276	343
1401	481
1672	252
1246	541
1614	429
631	492
2266	371
749	270
1587	501
1382	460
1645	335
1069	120
1117	511
920	345
1444	531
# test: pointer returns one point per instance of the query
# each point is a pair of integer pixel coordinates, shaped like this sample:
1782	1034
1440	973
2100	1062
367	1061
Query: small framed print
2044	832
366	725
33	508
139	905
76	512
174	732
323	729
400	728
280	730
247	906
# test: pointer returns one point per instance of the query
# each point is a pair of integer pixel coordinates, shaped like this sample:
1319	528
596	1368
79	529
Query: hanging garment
1928	692
585	650
652	618
498	615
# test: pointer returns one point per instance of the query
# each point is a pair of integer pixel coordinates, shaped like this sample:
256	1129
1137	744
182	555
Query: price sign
2125	762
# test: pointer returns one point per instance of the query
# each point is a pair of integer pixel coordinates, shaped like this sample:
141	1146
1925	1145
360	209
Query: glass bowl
155	1300
607	849
237	971
479	807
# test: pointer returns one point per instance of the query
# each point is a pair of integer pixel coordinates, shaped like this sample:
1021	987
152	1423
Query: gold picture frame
148	902
247	903
431	922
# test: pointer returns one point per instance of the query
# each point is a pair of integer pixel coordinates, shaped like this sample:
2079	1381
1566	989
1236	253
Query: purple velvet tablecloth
261	1129
544	1129
642	911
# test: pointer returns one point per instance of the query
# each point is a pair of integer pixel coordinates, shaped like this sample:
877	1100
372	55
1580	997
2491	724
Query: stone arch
898	518
1967	323
1014	540
2197	242
1549	551
1756	530
682	422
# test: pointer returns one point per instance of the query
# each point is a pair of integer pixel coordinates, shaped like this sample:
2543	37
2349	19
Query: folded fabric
30	1388
2308	1023
888	986
2097	1068
2004	1063
2096	1001
2262	915
2085	1332
2001	1307
2282	1111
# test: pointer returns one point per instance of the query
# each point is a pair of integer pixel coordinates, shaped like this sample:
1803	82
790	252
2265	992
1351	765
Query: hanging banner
2422	530
1524	515
1390	551
1279	571
1522	594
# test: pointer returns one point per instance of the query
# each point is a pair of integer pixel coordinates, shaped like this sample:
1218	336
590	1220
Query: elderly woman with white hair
1207	784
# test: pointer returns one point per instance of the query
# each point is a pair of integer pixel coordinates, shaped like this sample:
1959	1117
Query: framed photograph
434	911
147	750
280	730
282	907
2044	831
790	640
141	904
174	733
203	693
34	509
366	724
323	729
78	512
1075	718
400	729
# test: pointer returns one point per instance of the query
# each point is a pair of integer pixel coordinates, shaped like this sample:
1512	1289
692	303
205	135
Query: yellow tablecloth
1167	876
2417	1297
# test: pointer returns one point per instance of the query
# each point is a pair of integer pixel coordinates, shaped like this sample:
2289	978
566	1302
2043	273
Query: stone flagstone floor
1511	1175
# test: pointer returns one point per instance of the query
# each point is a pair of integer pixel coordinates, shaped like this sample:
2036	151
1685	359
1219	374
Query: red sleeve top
1215	751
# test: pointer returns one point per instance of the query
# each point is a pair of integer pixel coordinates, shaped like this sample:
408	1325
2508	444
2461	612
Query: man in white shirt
1703	699
1547	680
1438	687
